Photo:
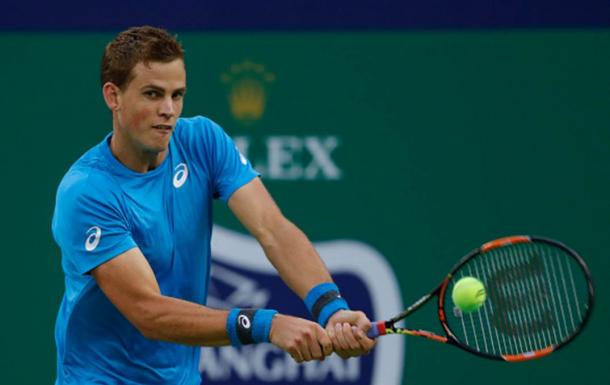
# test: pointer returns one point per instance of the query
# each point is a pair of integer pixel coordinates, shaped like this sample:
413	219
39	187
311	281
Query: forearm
294	257
285	245
174	320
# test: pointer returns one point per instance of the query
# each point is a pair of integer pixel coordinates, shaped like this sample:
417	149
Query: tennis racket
539	297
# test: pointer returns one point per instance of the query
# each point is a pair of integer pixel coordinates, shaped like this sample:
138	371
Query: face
146	111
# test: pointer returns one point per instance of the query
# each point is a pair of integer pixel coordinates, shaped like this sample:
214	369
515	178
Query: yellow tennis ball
468	294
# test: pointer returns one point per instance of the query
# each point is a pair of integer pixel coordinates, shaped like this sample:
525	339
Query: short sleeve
88	223
232	170
229	169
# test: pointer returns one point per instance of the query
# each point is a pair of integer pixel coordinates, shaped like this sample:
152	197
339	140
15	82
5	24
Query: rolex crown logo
247	98
246	83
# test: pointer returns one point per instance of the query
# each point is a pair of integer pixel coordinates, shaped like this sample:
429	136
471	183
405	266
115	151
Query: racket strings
537	297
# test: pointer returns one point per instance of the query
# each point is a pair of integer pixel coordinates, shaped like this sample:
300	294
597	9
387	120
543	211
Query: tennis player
133	219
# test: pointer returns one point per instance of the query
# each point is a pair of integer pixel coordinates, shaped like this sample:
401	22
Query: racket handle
377	329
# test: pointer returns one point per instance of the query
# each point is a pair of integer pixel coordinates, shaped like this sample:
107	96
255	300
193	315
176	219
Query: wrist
323	301
249	326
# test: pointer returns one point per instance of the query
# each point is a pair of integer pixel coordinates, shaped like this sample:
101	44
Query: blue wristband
323	301
231	327
249	326
262	325
330	309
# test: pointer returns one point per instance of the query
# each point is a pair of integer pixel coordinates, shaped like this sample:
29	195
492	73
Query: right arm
130	284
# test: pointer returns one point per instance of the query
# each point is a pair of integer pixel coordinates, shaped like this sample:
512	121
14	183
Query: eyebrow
160	89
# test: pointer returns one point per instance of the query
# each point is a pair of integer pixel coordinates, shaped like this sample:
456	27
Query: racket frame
388	327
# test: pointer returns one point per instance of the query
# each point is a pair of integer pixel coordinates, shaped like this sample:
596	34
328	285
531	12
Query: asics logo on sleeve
244	321
182	172
243	159
93	238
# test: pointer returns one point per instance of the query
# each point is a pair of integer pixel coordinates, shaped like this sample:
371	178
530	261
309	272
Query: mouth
163	128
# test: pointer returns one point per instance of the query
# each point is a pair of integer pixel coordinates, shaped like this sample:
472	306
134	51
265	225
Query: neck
133	158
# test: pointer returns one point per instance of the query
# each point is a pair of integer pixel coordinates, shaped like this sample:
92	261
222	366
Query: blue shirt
104	209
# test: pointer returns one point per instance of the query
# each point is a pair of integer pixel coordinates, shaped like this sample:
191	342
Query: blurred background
418	129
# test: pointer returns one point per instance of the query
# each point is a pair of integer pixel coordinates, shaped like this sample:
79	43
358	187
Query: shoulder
79	180
85	182
197	128
84	196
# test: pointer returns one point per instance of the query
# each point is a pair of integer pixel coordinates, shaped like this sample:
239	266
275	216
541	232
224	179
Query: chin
159	145
155	148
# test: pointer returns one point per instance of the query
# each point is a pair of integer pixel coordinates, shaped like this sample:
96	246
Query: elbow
271	233
148	330
145	318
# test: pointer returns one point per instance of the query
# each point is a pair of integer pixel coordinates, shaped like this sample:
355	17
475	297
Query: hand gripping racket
539	297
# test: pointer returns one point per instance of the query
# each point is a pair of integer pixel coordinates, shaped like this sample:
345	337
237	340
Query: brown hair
137	44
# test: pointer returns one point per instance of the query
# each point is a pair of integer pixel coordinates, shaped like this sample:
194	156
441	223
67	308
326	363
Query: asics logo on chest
93	238
181	173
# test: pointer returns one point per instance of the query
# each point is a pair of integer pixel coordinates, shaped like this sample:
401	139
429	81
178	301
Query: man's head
143	83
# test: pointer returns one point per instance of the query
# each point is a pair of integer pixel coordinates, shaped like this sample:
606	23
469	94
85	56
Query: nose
167	108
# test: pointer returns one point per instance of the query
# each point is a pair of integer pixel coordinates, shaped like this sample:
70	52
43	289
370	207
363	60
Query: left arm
296	260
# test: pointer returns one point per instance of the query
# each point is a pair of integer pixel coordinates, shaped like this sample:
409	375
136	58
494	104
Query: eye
178	95
152	94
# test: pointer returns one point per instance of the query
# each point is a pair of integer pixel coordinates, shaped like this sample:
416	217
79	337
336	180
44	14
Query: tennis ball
468	294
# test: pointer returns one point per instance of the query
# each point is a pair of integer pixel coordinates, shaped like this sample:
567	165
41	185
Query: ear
112	95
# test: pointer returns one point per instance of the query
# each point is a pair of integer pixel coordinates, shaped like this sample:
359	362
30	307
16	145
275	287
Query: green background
448	139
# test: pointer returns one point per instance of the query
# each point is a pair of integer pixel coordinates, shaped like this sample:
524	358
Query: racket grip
377	329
